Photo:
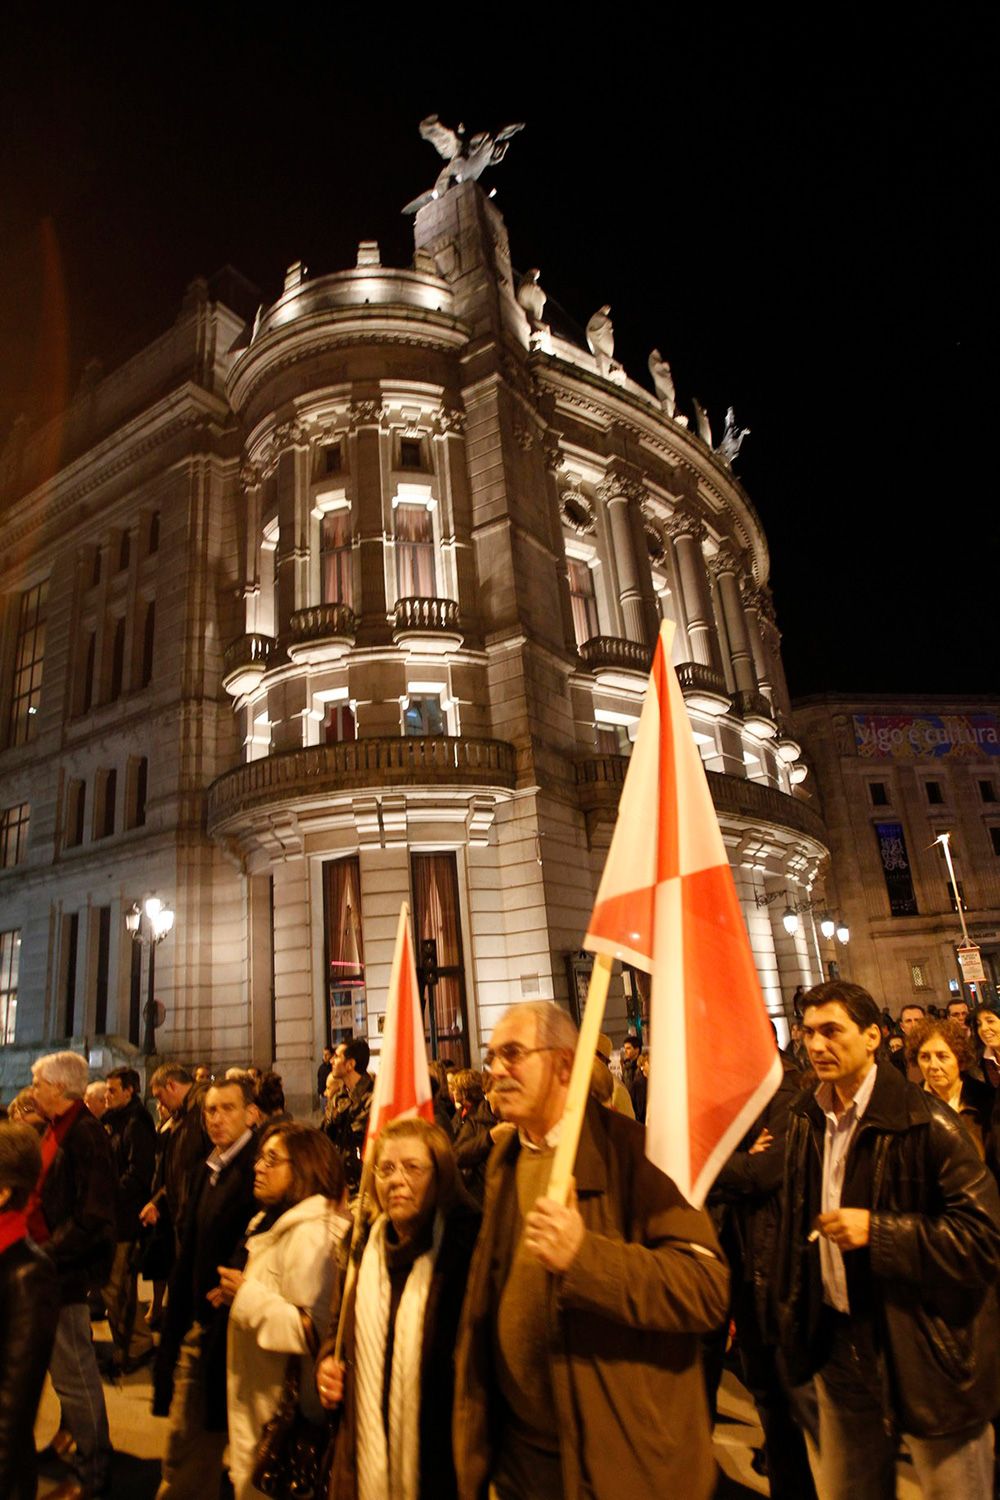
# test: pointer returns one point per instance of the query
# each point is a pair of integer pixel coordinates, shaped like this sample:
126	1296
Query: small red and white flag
403	1082
667	904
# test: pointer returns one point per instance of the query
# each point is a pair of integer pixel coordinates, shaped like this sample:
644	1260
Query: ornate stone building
892	775
350	604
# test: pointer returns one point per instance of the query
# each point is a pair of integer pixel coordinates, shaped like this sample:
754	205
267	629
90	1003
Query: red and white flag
403	1082
668	905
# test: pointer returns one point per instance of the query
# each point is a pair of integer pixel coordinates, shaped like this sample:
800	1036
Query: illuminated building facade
892	775
354	603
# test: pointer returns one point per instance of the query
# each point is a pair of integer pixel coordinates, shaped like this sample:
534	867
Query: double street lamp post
148	925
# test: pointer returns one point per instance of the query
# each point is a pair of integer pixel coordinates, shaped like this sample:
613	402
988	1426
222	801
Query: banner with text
926	736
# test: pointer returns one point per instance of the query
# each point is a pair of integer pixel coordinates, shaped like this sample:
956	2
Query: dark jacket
214	1225
349	1123
473	1144
437	1364
634	1080
748	1190
78	1203
133	1150
185	1153
926	1280
29	1311
622	1332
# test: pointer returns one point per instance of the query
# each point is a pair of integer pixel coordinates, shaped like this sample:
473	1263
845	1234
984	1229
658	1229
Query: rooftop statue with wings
466	157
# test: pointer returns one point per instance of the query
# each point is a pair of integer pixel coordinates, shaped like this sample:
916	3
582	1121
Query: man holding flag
578	1366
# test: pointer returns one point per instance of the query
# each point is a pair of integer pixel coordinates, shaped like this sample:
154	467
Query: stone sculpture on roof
466	157
731	441
663	382
601	338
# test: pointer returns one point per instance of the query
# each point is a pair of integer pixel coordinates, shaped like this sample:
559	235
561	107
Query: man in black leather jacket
889	1254
133	1147
29	1311
189	1376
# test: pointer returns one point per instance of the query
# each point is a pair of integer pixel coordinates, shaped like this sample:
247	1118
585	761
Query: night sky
795	212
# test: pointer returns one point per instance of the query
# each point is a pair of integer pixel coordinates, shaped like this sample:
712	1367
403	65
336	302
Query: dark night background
795	211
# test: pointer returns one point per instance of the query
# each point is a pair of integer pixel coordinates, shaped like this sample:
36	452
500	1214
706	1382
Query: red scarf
38	1226
13	1227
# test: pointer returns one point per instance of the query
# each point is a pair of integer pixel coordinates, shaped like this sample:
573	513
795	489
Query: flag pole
580	1080
356	1249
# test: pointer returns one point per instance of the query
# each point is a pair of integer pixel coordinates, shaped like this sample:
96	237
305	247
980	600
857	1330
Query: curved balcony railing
695	678
753	706
322	622
608	653
426	614
245	661
599	780
321	770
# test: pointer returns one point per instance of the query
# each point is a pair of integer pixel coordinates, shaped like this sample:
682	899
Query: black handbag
292	1450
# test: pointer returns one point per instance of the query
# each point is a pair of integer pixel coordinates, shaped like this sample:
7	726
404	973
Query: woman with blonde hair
396	1382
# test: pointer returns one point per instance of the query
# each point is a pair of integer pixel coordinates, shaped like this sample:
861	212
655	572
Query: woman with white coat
291	1245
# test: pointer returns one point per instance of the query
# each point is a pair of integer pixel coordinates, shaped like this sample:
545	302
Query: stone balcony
617	663
427	626
759	718
703	688
320	634
600	778
323	771
244	663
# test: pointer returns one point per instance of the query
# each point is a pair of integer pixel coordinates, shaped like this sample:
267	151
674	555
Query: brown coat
624	1326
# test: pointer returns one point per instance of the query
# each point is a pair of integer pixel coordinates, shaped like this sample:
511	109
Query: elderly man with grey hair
75	1222
578	1367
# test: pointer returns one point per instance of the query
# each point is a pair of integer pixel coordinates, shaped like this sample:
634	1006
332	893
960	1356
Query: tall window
89	667
14	835
103	915
29	652
345	949
10	954
436	918
335	557
71	942
117	660
105	792
135	797
153	539
583	600
148	633
424	716
339	725
416	576
896	869
76	800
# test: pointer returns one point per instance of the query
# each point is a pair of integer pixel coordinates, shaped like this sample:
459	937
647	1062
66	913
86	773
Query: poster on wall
896	869
926	736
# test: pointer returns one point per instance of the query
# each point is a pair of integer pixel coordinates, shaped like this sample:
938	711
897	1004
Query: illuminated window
10	954
335	557
416	575
29	652
339	726
437	921
14	835
424	716
583	600
344	949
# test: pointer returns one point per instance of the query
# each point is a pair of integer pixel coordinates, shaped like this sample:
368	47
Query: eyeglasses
408	1169
512	1054
268	1159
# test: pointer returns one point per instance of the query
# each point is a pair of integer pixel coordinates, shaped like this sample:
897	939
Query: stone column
291	442
368	519
726	568
616	494
251	481
686	533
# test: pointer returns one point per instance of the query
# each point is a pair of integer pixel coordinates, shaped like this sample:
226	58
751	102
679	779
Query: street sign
971	963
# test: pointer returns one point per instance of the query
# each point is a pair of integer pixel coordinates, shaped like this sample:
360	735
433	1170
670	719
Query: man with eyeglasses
577	1366
189	1378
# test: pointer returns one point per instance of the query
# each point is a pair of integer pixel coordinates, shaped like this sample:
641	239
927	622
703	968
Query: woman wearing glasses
291	1244
400	1325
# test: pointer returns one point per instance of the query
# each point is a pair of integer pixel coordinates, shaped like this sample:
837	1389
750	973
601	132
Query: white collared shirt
549	1143
220	1159
840	1131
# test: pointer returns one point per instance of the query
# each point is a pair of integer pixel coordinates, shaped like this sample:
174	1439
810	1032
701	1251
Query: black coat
437	1365
29	1311
133	1149
748	1190
473	1144
927	1279
184	1156
214	1226
78	1203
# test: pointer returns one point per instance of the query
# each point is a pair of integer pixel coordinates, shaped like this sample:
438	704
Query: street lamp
827	925
148	925
843	933
790	920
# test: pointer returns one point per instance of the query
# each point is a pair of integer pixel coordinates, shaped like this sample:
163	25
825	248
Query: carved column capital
450	420
366	414
726	560
252	474
294	434
682	525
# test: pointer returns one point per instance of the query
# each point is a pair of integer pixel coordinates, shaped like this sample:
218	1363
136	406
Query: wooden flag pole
579	1083
357	1247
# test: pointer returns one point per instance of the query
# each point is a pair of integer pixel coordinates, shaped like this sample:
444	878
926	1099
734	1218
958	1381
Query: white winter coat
289	1266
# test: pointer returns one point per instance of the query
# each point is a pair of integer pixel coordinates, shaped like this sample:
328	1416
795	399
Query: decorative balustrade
693	677
753	706
322	770
608	653
322	622
245	661
426	614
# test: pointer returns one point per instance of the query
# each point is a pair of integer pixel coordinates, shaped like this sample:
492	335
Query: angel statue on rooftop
466	156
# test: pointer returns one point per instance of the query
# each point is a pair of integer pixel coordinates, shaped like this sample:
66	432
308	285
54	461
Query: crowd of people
430	1324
